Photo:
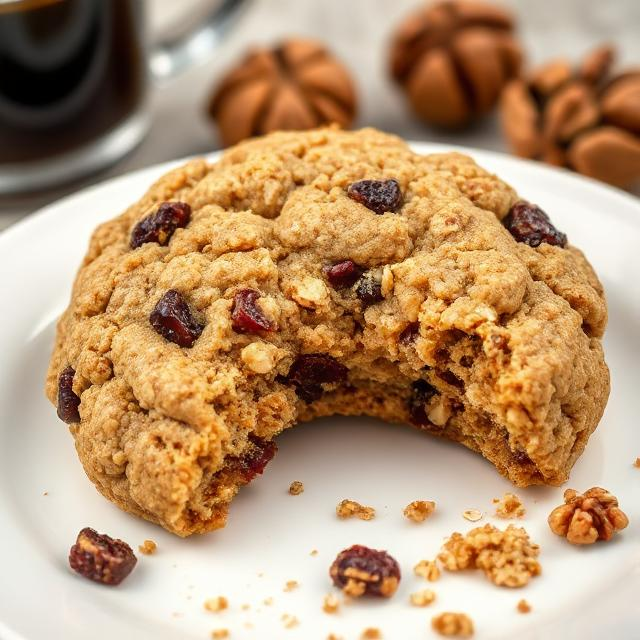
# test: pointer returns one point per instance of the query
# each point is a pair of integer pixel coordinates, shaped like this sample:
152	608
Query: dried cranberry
343	274
68	400
409	333
173	320
246	316
359	570
309	372
101	558
369	291
159	226
377	195
254	461
421	393
528	223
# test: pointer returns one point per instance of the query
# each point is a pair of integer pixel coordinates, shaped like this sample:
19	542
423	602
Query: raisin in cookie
314	273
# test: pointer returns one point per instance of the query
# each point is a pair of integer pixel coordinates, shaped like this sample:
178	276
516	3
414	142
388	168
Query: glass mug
74	76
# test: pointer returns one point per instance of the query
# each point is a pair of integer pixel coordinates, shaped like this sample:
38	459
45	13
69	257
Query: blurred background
357	32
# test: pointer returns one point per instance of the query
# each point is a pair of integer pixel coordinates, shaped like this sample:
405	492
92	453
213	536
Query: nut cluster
588	517
584	118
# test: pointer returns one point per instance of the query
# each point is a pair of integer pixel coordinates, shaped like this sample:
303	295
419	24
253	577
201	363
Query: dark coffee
70	71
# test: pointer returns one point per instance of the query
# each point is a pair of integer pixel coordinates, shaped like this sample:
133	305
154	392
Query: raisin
253	463
246	316
528	223
421	393
343	274
310	371
360	570
377	195
160	226
68	400
101	558
172	319
369	291
409	333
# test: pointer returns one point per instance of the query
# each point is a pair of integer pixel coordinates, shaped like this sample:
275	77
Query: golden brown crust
509	336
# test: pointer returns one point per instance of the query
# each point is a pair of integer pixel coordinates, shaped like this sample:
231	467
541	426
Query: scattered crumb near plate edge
371	633
422	598
177	614
427	569
314	552
509	506
219	603
523	606
451	623
245	606
353	509
333	636
46	493
289	621
148	547
472	515
331	603
219	634
635	464
260	575
296	488
268	601
419	510
290	585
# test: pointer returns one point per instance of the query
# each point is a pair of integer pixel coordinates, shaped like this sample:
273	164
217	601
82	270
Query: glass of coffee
74	77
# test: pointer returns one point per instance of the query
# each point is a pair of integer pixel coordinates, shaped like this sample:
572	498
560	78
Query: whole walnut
453	59
583	118
295	85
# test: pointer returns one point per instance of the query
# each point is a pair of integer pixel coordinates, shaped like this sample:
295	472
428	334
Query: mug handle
170	57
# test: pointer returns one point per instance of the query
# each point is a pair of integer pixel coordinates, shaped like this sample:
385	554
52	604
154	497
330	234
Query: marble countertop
358	32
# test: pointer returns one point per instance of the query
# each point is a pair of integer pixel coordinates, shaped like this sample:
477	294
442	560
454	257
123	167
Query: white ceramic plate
45	497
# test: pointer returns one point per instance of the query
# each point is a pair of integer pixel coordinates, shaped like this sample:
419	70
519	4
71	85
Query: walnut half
586	518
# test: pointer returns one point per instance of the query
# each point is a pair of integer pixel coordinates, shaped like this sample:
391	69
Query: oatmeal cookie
312	273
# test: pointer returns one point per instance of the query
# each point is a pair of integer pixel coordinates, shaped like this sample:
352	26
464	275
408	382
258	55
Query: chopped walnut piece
422	598
585	518
453	624
419	510
148	547
216	604
289	621
509	506
371	633
353	509
331	603
296	488
472	515
508	558
291	585
219	634
523	606
427	569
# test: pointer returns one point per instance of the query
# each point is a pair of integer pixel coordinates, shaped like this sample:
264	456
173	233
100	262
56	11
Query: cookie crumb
353	509
296	488
427	569
148	547
333	636
422	598
291	585
453	624
509	506
219	603
371	633
331	603
508	558
245	607
635	464
472	515
46	493
419	510
314	552
289	621
523	606
248	625
268	601
219	634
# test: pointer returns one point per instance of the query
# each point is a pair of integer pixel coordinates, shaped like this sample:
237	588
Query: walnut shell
293	86
453	59
581	118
